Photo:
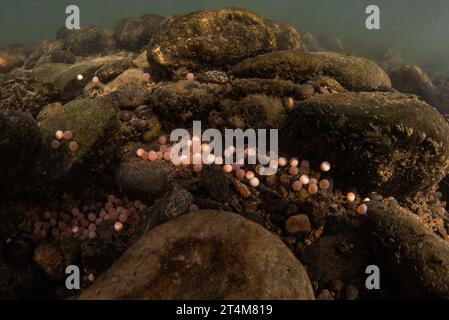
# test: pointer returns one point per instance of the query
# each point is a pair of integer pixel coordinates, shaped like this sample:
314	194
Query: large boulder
387	142
18	140
205	255
134	33
214	38
94	125
354	73
418	258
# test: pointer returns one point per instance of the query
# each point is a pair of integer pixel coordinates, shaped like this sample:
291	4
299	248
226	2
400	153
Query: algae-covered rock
255	111
67	80
386	142
297	66
93	124
27	95
142	179
412	79
214	38
10	60
413	253
354	73
205	255
270	87
287	37
18	140
48	110
86	41
57	56
136	32
183	100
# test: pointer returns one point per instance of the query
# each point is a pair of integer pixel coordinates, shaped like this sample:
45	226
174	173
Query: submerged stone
387	142
214	38
205	255
136	32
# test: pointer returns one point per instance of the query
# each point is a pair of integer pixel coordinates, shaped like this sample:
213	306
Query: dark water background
417	28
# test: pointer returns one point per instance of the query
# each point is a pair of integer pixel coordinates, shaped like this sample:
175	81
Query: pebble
298	224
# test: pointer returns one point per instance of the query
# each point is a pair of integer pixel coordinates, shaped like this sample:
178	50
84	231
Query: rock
297	66
67	80
184	100
132	76
216	183
270	87
405	141
10	60
310	42
114	68
57	56
412	79
142	179
325	295
205	255
298	224
172	205
343	256
214	38
48	72
48	110
86	41
94	125
134	33
26	95
440	98
18	141
255	111
132	96
413	253
53	257
354	73
287	37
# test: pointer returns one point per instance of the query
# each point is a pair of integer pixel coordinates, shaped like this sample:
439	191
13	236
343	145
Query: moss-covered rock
18	140
270	87
297	66
211	38
418	258
136	32
353	73
255	111
183	100
94	125
386	142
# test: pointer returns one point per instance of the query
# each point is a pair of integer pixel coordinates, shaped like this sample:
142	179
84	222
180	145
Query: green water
416	28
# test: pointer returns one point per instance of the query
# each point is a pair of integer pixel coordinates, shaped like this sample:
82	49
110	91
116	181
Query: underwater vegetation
86	176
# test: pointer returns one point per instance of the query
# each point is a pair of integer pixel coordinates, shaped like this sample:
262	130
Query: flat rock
391	143
205	255
213	37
